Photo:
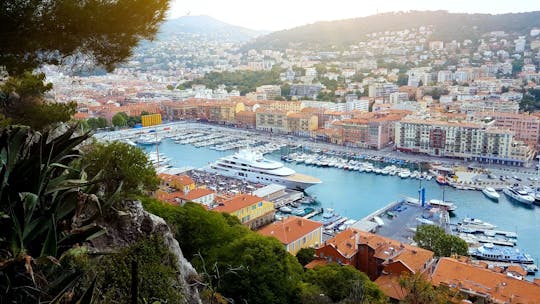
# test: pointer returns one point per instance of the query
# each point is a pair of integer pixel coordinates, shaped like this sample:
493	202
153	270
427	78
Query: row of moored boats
353	165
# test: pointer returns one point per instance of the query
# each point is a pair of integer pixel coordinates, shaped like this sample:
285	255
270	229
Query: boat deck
299	177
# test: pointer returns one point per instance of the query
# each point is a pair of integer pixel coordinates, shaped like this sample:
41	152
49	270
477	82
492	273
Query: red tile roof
500	287
238	202
290	229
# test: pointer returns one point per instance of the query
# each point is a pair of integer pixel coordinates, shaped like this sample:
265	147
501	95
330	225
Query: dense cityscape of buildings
464	95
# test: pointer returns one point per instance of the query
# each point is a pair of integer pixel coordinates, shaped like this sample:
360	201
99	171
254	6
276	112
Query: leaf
50	246
88	296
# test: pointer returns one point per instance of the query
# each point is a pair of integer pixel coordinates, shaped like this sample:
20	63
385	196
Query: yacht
519	195
477	223
148	141
250	165
491	193
444	204
500	254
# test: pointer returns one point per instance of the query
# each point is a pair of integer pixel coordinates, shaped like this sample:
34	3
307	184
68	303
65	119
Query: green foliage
244	81
403	79
41	191
37	31
305	255
419	290
434	238
97	123
119	119
238	262
22	102
116	165
344	282
530	101
263	271
157	277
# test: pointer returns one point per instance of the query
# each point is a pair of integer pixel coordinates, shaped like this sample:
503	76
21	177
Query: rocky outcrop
133	224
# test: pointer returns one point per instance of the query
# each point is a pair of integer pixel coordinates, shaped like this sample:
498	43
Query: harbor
354	195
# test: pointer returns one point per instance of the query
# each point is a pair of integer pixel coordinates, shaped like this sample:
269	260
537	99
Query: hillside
209	27
447	26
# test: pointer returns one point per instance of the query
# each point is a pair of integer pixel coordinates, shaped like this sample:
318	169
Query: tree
434	238
119	119
36	32
342	282
305	255
403	79
419	290
22	102
96	123
264	271
117	164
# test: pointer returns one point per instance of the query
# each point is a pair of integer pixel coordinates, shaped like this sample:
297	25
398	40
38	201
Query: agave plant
42	191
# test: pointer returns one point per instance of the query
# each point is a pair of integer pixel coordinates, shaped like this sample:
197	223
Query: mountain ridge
208	26
447	26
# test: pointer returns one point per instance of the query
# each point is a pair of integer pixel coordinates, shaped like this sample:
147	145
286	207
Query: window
304	240
260	204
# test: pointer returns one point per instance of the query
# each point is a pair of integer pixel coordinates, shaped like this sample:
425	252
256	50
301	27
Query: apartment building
383	90
383	260
271	120
251	210
525	127
272	91
367	130
467	140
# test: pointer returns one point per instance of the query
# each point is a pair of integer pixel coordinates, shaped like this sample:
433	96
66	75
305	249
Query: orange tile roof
389	285
290	229
238	202
385	249
412	257
197	193
182	179
316	263
498	286
345	242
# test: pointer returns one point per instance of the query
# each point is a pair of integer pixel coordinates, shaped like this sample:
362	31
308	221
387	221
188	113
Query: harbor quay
471	175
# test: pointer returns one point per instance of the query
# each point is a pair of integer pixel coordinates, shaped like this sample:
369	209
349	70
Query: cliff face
133	224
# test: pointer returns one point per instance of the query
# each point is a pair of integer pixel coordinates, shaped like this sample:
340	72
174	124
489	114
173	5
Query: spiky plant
42	191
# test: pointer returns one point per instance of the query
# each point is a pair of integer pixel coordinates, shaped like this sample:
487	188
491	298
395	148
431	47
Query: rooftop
290	229
238	202
500	287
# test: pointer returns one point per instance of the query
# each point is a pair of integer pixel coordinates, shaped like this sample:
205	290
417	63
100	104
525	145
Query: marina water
357	194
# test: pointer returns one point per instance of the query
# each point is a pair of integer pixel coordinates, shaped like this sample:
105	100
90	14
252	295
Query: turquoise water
356	195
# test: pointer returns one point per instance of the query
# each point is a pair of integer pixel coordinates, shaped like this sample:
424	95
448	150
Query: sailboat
442	203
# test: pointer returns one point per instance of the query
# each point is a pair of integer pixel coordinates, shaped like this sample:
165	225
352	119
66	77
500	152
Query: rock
133	224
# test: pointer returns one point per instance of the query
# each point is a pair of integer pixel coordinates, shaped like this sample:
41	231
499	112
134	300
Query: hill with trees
447	27
209	27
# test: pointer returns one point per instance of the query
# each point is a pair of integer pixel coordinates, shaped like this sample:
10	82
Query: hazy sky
283	14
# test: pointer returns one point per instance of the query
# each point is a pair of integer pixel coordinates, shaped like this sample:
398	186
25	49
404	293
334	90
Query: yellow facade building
151	120
251	210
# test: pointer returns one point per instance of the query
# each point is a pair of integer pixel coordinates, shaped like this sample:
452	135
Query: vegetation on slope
242	265
447	27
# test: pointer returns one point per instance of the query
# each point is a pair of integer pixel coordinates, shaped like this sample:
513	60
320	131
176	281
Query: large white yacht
519	195
252	166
